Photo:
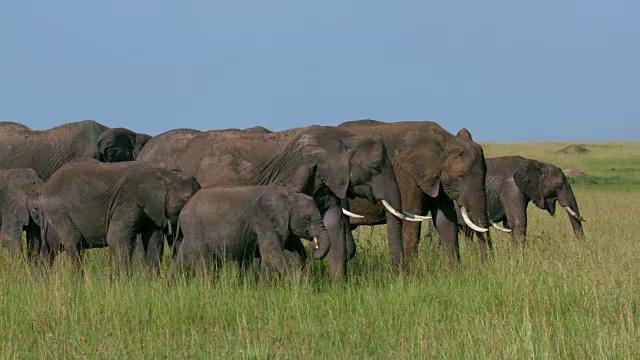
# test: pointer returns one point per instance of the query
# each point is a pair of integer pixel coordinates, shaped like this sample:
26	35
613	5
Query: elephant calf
19	210
89	204
237	222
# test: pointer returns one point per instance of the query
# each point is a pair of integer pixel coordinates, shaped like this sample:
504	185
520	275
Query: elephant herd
250	193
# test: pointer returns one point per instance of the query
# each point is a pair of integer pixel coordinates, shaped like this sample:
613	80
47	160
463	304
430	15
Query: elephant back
46	150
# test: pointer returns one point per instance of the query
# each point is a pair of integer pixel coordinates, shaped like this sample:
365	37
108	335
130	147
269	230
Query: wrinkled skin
47	150
436	172
513	181
247	221
324	162
88	204
19	209
168	143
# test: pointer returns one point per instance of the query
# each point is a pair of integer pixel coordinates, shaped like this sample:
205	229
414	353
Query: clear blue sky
507	70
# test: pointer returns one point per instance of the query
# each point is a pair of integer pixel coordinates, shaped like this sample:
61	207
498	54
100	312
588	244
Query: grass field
563	298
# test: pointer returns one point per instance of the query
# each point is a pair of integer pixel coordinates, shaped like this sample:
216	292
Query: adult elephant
20	190
167	143
325	162
513	181
437	172
89	204
47	150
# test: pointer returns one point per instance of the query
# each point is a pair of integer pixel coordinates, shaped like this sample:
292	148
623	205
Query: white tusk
397	214
470	224
406	213
169	223
573	213
350	214
315	243
499	227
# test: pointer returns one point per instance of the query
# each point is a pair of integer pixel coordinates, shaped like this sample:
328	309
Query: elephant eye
376	169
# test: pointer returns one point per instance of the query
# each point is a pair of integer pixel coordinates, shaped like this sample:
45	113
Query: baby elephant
237	222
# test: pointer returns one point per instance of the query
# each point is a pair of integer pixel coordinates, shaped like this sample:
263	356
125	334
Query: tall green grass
560	298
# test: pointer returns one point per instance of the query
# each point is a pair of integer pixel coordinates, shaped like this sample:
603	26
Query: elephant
437	172
120	144
168	142
20	190
89	204
241	222
47	150
325	162
513	181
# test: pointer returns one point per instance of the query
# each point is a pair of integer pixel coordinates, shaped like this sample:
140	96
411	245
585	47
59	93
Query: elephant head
120	144
451	166
544	184
350	165
296	214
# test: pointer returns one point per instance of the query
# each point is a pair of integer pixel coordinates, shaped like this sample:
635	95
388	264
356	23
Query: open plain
560	298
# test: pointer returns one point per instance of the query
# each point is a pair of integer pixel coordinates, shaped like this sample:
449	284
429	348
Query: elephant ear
423	161
528	177
156	209
333	161
276	208
464	134
16	203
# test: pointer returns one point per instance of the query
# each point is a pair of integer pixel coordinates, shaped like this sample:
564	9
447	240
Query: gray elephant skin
47	150
20	190
164	145
242	222
513	181
324	162
89	204
437	172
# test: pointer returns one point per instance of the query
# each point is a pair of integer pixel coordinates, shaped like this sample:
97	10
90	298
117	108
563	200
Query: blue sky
507	70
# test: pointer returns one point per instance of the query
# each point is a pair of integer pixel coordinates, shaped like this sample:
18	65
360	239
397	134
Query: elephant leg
431	232
412	201
76	257
515	208
333	222
350	241
121	239
271	249
11	236
62	235
446	223
34	242
140	248
153	243
295	245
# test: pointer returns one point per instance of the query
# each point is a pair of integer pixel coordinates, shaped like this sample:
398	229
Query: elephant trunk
475	202
567	200
385	187
321	243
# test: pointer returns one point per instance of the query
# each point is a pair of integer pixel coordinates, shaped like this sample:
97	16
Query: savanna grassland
562	298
